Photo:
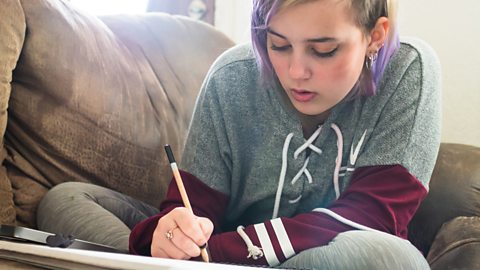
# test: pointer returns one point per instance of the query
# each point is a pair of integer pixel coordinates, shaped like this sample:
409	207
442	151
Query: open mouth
302	95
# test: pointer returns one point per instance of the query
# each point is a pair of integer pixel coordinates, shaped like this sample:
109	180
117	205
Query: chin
309	111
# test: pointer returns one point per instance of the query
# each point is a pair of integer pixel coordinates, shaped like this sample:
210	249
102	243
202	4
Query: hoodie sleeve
370	201
206	202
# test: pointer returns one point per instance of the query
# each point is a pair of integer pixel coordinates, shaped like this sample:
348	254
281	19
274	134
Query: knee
63	191
373	242
361	250
381	250
60	197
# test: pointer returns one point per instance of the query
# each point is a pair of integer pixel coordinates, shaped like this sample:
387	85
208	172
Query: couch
95	99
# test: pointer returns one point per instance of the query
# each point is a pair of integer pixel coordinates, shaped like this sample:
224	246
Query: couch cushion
12	33
93	106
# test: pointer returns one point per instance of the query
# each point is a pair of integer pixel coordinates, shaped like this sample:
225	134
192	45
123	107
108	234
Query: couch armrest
454	192
456	245
12	32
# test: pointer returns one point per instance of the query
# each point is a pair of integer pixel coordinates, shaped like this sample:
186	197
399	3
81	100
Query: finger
175	253
166	223
185	243
163	247
207	226
160	244
189	224
172	252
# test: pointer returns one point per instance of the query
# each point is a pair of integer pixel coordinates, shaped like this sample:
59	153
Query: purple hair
367	12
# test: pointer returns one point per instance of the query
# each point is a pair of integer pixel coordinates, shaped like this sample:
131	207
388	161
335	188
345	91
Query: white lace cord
338	161
253	251
296	200
301	171
297	176
309	144
283	172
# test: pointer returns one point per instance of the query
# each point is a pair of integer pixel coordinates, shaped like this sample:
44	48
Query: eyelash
317	54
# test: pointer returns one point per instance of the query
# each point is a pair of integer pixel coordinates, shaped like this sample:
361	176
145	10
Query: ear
378	35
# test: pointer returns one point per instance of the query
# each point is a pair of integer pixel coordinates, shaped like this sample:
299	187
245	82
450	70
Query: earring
370	60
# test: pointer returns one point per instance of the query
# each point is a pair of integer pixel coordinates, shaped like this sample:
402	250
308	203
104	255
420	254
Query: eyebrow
320	39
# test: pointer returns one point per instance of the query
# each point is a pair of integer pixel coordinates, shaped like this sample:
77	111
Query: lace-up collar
309	144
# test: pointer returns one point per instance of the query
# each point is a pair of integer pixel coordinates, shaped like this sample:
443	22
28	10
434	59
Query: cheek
279	64
347	69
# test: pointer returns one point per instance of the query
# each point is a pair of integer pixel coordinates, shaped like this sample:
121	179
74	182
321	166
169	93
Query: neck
310	123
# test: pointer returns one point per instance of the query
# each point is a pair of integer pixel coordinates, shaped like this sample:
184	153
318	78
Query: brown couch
94	100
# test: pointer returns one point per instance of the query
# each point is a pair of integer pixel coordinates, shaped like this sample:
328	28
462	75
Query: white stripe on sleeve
345	221
266	244
282	237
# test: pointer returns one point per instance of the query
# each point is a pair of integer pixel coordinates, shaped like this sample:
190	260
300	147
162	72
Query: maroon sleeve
380	197
213	208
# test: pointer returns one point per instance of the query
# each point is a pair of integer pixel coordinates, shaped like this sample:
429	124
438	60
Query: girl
311	150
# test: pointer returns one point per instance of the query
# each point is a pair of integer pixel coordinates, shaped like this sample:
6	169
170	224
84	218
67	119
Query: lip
302	95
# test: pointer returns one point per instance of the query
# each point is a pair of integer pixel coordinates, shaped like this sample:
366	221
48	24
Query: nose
299	69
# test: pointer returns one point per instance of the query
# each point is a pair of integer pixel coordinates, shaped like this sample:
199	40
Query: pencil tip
171	159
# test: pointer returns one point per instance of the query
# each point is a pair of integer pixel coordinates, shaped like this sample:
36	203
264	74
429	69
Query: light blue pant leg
91	213
361	250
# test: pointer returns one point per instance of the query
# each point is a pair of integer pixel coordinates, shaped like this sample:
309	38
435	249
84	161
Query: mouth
301	95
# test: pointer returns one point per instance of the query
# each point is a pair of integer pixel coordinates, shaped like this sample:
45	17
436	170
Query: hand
179	234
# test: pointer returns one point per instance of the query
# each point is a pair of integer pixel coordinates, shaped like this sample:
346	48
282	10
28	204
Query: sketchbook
27	235
61	258
29	246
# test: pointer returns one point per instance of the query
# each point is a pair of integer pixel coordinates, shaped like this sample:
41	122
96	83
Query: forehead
292	3
313	17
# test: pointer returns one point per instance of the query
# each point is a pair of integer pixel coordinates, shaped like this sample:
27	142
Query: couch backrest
454	192
95	100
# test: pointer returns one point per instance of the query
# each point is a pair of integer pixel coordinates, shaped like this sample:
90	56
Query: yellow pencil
183	192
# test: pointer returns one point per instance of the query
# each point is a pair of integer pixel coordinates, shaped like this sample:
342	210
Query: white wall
107	7
451	28
233	18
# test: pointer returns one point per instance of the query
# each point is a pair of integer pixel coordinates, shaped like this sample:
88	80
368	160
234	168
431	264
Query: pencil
183	192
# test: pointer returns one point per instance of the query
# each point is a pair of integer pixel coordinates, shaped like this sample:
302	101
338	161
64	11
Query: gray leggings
101	215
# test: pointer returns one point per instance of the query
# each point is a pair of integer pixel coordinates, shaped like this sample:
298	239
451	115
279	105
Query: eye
279	48
324	54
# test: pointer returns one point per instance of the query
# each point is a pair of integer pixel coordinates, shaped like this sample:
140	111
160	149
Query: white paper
113	260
